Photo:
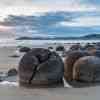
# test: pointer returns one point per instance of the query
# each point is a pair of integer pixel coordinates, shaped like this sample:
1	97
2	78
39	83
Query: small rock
14	56
12	72
60	48
24	49
75	47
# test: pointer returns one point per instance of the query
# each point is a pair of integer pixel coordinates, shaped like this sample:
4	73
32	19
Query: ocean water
12	42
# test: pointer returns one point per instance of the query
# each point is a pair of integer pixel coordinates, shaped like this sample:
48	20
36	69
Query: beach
19	93
6	61
49	43
10	92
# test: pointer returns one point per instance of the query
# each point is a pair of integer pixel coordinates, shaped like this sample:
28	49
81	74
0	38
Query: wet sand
17	93
7	62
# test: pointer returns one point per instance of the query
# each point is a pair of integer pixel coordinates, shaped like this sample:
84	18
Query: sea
13	42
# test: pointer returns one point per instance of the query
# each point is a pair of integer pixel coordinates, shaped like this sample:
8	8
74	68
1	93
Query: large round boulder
71	58
87	69
40	67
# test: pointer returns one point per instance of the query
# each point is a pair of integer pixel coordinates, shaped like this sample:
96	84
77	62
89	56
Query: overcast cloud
84	16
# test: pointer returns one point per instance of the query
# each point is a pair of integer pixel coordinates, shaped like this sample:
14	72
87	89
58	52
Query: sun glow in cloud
5	28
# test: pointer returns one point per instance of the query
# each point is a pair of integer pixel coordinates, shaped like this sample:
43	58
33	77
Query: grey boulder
40	67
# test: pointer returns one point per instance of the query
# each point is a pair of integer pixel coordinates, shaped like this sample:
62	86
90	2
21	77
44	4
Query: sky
83	18
30	6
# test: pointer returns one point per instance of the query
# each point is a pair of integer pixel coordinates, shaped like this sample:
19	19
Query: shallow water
12	42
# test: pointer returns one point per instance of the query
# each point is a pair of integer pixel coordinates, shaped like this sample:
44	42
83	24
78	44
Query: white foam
7	83
66	84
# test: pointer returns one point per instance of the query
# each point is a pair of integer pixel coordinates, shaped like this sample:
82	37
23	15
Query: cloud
26	7
92	2
15	2
54	24
49	17
83	21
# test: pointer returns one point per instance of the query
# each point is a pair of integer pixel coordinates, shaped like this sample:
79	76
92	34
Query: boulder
98	44
60	48
71	58
12	72
24	49
75	47
50	48
87	69
90	48
41	68
96	53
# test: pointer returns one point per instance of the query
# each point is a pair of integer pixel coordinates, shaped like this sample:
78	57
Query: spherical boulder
87	69
12	72
40	67
71	58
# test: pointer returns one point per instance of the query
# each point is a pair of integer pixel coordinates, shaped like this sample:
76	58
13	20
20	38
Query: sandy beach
18	93
6	61
14	92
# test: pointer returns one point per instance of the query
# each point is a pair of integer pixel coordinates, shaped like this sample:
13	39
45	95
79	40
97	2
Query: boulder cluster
82	66
41	67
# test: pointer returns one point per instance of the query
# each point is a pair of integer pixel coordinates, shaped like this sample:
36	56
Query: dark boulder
90	48
98	44
41	68
71	58
24	49
87	69
50	48
97	53
75	47
60	48
12	72
41	54
98	47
